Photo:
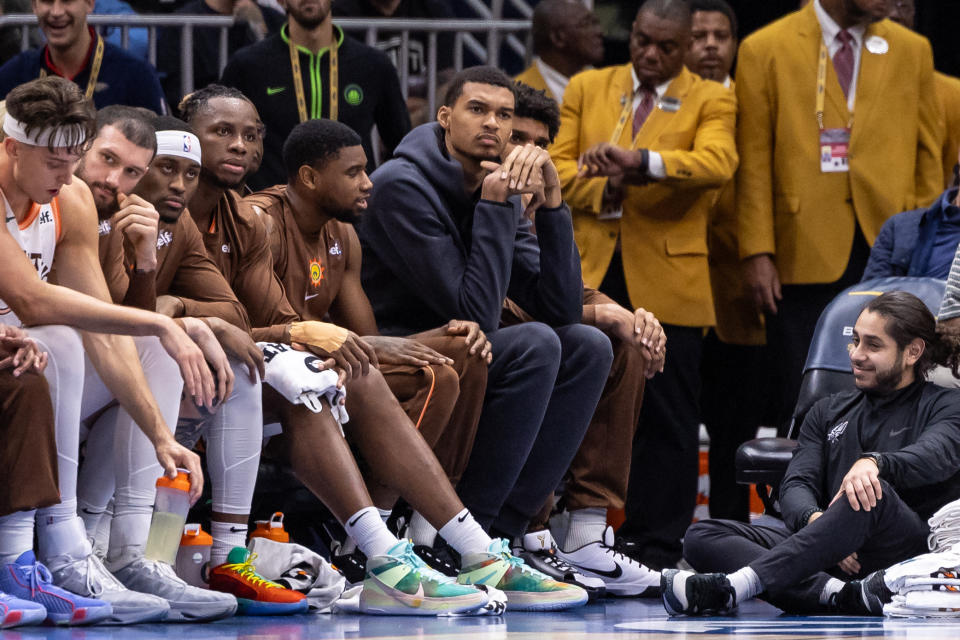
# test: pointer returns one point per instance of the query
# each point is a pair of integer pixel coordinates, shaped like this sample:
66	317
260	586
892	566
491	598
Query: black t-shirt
368	93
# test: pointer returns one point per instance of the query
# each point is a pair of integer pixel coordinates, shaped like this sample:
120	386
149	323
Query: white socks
464	534
746	584
226	536
421	531
16	535
584	526
833	586
369	532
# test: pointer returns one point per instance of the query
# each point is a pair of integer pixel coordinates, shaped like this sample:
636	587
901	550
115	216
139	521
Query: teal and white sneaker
527	589
400	583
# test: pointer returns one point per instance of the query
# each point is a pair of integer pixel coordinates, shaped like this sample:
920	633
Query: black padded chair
764	461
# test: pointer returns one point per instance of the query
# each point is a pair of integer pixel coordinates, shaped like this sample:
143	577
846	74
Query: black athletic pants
542	389
794	568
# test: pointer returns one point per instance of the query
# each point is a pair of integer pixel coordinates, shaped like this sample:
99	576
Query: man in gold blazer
824	164
641	151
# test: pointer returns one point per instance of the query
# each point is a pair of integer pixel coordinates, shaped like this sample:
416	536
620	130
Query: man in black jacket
446	238
870	467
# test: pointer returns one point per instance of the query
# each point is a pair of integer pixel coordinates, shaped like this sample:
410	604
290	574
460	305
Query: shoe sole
378	599
80	616
137	616
633	591
247	607
200	612
23	618
548	601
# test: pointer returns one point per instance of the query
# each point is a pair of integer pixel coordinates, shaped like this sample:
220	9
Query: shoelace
502	548
248	571
557	562
425	570
39	576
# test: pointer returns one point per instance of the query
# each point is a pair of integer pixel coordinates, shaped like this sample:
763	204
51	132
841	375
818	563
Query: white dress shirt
830	29
556	81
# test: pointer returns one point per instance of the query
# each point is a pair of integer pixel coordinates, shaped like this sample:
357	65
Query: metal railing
463	30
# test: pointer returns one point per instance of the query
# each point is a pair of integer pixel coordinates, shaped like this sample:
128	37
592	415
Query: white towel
297	376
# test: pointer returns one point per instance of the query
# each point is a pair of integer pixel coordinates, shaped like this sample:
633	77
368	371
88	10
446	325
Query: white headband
66	136
182	144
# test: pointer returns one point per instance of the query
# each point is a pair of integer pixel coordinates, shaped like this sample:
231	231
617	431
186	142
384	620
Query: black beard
308	23
888	381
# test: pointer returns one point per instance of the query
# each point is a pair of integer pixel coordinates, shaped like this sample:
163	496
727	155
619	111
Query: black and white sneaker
621	575
686	593
864	597
540	552
440	557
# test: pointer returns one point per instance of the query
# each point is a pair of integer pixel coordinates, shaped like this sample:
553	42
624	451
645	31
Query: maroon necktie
843	61
643	109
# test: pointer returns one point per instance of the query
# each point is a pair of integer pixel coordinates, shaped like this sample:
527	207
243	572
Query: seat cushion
764	460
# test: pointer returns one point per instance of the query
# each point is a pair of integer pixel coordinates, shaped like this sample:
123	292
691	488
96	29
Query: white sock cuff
369	532
465	534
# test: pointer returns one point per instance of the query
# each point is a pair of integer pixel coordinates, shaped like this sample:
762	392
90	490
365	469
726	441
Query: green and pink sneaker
526	589
400	583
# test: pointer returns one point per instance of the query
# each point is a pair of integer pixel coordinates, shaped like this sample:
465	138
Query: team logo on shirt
834	434
335	249
316	272
163	239
353	94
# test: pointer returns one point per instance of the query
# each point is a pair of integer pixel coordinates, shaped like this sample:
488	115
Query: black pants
790	330
662	493
794	568
732	402
542	388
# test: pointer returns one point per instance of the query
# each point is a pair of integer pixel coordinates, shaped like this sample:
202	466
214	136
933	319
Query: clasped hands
526	170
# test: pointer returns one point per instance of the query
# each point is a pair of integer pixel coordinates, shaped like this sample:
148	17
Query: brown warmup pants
599	473
443	401
28	457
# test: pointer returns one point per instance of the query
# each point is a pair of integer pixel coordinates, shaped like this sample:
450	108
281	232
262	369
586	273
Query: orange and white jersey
37	235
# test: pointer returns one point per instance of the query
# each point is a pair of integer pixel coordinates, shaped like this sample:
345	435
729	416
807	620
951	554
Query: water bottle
169	516
271	529
195	545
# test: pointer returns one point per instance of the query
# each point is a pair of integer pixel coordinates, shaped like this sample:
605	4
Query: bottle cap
195	536
180	483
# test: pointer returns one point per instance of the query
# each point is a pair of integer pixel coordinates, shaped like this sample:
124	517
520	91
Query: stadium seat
764	461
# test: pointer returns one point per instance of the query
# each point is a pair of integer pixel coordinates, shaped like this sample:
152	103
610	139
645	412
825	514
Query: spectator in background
138	38
10	36
366	89
642	149
806	216
948	92
919	243
732	352
390	42
567	38
252	24
105	73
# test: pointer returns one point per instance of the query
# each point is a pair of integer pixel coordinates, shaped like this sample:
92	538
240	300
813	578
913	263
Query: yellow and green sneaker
400	583
527	589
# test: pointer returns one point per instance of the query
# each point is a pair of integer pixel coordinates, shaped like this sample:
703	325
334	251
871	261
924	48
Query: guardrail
463	30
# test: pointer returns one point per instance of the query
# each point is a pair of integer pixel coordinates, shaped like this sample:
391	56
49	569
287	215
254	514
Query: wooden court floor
607	620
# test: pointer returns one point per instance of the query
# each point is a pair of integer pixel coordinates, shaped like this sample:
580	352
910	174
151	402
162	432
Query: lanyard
94	69
624	116
298	81
822	85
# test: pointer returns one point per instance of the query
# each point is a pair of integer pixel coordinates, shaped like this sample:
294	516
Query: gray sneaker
88	577
187	603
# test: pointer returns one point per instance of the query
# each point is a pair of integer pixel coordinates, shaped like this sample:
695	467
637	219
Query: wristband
805	517
324	335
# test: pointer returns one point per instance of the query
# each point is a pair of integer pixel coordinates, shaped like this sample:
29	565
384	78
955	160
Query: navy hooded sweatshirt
433	252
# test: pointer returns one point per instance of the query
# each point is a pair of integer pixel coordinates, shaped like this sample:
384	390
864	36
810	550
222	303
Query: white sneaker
86	576
187	603
539	551
622	575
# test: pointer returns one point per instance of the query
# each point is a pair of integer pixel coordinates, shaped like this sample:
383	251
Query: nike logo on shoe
612	574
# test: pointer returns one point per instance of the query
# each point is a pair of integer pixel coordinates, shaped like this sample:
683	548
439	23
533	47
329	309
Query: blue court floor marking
614	619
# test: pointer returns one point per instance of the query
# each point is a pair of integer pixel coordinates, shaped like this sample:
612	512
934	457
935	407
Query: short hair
678	10
544	22
195	102
314	142
481	75
719	6
56	103
908	318
171	123
537	105
135	123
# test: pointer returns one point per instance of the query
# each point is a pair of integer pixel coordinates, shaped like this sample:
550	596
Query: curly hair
537	105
